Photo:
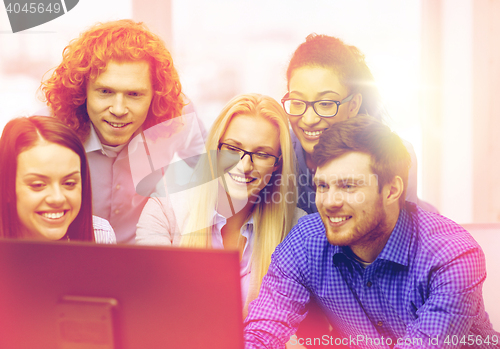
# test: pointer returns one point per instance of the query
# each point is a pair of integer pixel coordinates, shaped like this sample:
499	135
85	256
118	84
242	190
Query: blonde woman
250	205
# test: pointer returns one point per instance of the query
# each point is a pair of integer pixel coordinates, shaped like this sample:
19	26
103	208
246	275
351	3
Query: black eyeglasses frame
250	153
312	104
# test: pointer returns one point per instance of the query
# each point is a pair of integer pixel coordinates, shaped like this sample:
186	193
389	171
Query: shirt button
369	284
117	211
117	186
379	324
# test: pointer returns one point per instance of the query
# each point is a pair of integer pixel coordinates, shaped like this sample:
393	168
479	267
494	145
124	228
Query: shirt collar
337	249
397	248
219	221
246	231
92	143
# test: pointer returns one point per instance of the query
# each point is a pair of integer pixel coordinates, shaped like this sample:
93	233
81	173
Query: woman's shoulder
162	220
103	232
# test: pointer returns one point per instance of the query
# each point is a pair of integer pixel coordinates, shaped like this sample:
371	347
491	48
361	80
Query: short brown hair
365	134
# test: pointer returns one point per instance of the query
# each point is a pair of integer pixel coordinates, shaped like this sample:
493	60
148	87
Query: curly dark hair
347	62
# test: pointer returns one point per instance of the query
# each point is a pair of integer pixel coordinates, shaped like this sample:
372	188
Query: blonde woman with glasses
250	203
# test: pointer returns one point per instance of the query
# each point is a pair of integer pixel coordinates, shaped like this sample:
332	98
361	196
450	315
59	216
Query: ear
354	105
392	191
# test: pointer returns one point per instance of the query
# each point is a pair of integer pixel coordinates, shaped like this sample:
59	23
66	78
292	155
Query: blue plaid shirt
422	291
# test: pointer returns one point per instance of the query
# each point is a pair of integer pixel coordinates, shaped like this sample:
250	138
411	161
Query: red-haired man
116	80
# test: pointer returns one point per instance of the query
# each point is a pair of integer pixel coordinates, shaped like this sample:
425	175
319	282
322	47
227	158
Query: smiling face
254	134
118	100
310	83
349	202
48	190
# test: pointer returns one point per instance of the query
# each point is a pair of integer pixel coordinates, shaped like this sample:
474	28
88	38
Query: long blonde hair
272	217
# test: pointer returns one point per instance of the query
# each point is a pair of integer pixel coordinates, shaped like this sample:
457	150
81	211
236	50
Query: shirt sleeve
103	232
454	304
275	315
157	224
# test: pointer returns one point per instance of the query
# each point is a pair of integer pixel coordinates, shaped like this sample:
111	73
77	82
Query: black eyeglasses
258	158
325	108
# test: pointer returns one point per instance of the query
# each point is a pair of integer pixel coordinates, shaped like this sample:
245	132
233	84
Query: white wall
456	109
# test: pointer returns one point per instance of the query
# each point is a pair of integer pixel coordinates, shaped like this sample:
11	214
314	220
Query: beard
364	228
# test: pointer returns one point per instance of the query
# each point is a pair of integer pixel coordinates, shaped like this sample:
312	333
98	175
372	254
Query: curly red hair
86	58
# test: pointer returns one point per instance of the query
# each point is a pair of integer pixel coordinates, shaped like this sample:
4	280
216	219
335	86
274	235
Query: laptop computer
82	295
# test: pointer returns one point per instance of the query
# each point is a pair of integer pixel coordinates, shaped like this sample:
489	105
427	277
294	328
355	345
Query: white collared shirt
247	232
116	172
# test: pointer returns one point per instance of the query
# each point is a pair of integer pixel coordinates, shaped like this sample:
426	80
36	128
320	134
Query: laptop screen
60	295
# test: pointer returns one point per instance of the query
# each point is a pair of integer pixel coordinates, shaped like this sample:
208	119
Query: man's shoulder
440	235
304	247
309	232
311	224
